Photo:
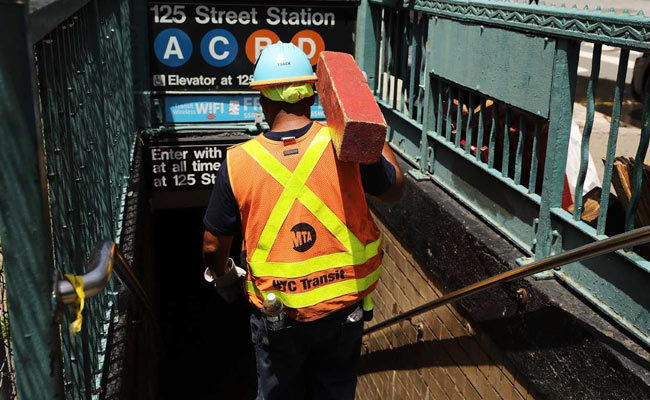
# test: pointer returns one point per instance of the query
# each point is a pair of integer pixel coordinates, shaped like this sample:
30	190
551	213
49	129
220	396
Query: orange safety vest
308	234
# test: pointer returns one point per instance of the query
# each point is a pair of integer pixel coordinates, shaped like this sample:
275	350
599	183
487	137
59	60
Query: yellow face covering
291	93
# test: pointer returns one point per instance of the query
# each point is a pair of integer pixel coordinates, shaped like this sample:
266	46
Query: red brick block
350	108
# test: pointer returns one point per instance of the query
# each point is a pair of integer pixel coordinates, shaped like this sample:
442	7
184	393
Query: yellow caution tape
77	282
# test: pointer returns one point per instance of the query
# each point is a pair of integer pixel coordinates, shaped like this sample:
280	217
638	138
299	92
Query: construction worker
308	236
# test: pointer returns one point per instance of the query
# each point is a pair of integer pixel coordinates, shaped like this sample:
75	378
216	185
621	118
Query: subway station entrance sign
213	47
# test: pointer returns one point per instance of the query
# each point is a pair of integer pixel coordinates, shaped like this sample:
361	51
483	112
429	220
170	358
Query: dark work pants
307	360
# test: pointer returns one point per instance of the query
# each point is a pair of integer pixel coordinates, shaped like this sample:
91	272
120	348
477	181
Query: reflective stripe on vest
367	303
296	189
322	293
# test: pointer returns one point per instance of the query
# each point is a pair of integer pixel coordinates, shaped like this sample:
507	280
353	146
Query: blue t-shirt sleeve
222	215
377	178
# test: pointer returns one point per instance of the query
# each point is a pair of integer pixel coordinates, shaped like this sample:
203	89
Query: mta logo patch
304	237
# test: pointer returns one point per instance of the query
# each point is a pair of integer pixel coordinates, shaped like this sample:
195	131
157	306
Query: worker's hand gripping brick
359	128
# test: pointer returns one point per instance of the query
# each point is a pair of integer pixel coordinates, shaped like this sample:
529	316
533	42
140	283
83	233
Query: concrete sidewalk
628	137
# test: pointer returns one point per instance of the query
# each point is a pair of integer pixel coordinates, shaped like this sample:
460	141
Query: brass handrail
624	240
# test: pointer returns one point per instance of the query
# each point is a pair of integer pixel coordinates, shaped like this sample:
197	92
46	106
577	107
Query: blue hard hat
280	64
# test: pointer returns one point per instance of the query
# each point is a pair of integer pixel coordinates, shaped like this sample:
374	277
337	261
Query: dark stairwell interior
206	348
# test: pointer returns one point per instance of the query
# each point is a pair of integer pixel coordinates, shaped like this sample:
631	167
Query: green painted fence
479	96
67	137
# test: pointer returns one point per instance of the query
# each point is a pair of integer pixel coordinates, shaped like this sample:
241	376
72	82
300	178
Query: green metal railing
67	91
479	96
85	91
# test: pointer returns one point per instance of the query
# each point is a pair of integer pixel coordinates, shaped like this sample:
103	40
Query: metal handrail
624	240
104	258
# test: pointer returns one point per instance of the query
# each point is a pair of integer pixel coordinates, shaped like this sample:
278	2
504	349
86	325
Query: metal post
560	114
140	62
24	216
429	111
367	41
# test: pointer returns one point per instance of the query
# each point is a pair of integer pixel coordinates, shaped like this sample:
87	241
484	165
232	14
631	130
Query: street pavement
627	143
629	129
609	61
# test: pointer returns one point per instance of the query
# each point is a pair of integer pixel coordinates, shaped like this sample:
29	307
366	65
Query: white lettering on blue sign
173	47
219	47
219	108
212	15
304	17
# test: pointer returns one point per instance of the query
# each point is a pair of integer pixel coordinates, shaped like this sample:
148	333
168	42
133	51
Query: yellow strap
77	282
295	188
315	264
319	294
367	303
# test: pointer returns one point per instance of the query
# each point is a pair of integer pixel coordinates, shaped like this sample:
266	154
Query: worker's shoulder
322	125
237	145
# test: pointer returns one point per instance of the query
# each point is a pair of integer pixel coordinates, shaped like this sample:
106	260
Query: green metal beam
596	25
24	218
